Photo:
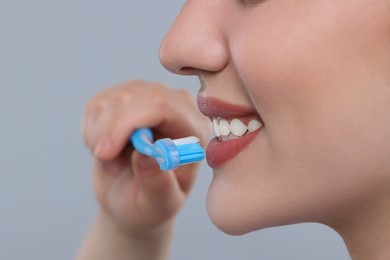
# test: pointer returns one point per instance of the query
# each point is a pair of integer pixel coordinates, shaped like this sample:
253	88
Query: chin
230	215
236	209
231	225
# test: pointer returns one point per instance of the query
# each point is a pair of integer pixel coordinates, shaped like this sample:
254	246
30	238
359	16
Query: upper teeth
222	127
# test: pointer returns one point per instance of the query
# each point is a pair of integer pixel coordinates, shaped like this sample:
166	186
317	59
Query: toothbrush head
178	152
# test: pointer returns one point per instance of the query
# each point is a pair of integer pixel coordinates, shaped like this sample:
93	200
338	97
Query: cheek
322	90
319	78
296	57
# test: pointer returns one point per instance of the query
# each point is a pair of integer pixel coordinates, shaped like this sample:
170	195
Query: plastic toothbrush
169	154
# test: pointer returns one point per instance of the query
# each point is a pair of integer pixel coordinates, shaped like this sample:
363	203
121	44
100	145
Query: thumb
160	192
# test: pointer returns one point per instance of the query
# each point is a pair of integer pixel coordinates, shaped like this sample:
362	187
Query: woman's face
318	75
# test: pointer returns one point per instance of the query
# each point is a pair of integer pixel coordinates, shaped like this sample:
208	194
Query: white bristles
186	140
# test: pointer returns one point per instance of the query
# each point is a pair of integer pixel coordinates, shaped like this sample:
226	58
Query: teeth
216	127
224	127
236	128
254	125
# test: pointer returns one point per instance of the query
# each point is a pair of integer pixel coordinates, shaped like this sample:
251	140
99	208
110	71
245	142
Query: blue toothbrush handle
164	150
142	139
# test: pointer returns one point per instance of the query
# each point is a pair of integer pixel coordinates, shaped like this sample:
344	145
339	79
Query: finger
186	176
90	115
156	111
134	105
160	195
106	173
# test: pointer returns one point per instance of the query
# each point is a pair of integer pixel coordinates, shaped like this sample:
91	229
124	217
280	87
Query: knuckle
122	97
160	100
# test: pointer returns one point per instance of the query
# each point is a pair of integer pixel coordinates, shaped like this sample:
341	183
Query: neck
366	230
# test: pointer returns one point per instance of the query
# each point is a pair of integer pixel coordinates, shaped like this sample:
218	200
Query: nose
195	41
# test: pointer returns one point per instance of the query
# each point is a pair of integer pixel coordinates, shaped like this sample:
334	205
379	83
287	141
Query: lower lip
218	153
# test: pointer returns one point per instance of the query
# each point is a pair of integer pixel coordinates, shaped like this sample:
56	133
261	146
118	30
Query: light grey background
54	55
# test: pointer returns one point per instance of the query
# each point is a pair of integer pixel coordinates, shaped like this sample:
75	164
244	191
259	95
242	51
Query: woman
314	78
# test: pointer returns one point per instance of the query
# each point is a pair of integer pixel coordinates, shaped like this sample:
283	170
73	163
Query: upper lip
213	107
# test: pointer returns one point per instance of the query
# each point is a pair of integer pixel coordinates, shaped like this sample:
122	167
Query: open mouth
228	129
234	127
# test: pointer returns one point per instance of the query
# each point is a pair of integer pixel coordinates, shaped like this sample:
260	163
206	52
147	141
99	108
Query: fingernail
103	145
147	163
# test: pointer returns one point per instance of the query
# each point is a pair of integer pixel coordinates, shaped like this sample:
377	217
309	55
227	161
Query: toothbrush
169	154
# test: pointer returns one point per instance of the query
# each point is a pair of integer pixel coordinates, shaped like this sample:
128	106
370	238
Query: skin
317	72
138	201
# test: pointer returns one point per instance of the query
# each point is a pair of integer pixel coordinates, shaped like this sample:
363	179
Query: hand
130	187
